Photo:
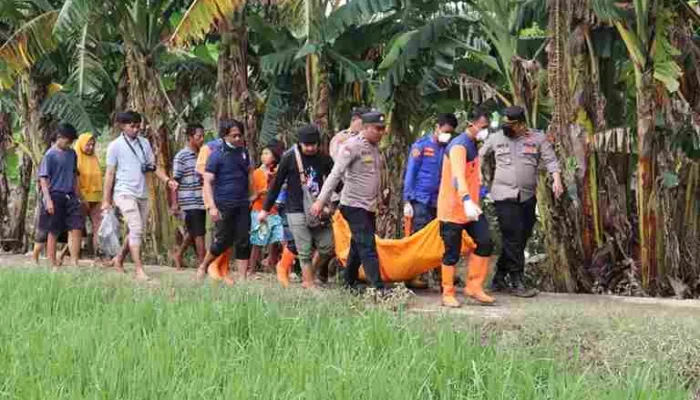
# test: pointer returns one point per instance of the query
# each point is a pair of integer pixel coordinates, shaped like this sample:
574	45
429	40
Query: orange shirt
460	177
260	188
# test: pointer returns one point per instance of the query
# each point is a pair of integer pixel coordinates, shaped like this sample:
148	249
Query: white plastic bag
109	234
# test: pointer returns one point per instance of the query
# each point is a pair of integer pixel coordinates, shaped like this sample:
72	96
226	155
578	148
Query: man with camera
129	159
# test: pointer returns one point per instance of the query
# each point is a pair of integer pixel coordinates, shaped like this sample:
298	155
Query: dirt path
428	301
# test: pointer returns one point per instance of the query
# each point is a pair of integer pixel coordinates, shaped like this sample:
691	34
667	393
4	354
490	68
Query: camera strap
138	141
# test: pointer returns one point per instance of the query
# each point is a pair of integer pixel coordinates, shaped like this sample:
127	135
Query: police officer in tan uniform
358	164
518	153
354	128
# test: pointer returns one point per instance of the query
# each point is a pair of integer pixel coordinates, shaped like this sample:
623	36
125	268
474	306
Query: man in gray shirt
358	164
129	159
518	152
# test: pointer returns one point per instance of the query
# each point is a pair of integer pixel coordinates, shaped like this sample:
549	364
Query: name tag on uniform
366	157
530	148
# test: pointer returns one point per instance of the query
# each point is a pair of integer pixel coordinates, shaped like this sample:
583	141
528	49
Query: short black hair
447	119
67	131
191	129
128	117
226	125
478	112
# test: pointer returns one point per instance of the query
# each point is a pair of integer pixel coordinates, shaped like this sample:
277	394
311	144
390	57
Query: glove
408	209
483	192
471	210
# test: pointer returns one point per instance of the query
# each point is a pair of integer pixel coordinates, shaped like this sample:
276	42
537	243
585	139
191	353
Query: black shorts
40	236
233	229
67	216
196	222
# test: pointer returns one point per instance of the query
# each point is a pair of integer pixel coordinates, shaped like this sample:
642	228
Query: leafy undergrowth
88	336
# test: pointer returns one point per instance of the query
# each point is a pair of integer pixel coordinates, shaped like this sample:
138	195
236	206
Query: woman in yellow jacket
90	180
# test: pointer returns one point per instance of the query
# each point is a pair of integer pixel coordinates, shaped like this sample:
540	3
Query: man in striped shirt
188	197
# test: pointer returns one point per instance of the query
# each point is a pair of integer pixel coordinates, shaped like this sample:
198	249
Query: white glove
471	210
408	209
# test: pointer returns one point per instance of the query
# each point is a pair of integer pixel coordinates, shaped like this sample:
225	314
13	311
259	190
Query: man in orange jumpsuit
458	211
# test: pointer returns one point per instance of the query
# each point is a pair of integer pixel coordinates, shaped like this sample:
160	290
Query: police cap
515	114
373	118
358	111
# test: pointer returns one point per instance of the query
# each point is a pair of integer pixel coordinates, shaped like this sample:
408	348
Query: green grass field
84	335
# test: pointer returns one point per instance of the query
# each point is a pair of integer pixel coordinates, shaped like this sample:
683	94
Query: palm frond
279	63
89	75
201	16
66	106
354	12
406	49
349	70
30	42
607	10
276	107
75	13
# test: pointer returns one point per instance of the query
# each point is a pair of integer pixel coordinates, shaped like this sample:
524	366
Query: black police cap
373	118
515	114
358	111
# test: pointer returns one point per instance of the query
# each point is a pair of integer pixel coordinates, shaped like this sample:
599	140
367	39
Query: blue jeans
423	214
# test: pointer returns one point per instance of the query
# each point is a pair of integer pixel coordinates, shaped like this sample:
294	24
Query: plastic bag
109	234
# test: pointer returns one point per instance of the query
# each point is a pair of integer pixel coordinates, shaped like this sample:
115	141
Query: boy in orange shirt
458	211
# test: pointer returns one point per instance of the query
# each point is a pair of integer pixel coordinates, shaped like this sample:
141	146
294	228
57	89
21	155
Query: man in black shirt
315	167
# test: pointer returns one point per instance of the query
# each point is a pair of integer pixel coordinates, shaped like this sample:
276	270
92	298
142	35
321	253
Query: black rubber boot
498	284
519	289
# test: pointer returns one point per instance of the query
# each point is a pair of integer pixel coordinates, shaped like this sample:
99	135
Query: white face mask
444	138
482	135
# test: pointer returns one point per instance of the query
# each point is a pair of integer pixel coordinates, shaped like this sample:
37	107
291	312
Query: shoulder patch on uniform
415	153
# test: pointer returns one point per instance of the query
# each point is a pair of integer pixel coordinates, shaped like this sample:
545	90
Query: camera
148	168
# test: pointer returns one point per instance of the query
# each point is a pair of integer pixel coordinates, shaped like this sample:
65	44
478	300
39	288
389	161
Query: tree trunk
393	164
5	138
646	116
233	99
37	138
319	93
147	97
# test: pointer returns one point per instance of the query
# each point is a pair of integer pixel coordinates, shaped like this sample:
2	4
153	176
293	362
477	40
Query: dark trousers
423	214
363	246
516	221
451	235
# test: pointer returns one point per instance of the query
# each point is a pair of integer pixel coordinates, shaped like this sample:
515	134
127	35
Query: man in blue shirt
422	179
62	209
227	182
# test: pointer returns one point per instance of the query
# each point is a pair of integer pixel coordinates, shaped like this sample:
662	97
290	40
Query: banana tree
140	26
319	27
26	42
644	28
228	19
